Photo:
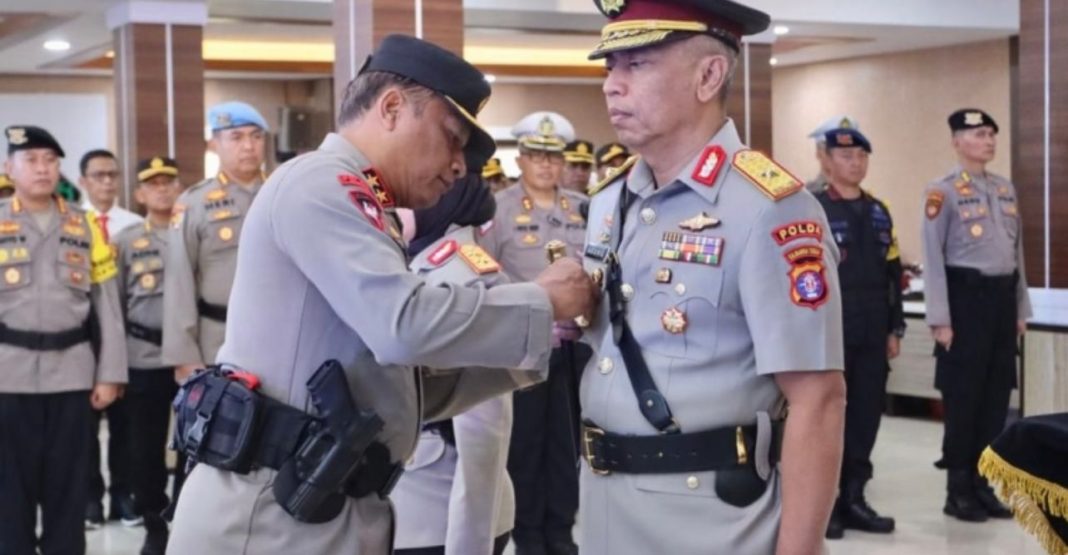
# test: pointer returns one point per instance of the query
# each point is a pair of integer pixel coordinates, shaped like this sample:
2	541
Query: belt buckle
588	435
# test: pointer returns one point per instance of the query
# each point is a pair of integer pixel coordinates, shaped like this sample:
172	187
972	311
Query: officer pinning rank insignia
933	206
808	282
686	247
707	169
769	177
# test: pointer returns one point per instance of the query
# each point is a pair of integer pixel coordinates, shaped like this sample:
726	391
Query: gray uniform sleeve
935	228
482	436
111	364
790	332
1023	298
181	324
400	318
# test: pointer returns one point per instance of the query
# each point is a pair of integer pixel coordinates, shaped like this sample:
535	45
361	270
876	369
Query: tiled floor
906	486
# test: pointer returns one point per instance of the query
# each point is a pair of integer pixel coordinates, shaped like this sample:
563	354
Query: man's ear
712	77
389	106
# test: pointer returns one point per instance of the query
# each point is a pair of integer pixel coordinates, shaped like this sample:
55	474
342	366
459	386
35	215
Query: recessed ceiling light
57	45
781	30
490	78
774	61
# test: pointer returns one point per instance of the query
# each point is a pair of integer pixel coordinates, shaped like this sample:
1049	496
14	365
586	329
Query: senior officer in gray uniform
322	275
819	135
977	307
142	250
718	314
455	496
61	349
207	229
544	446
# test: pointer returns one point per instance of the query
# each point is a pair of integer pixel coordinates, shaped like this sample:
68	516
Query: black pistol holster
224	422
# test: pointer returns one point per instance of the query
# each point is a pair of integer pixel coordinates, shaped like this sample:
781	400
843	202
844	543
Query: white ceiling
867	27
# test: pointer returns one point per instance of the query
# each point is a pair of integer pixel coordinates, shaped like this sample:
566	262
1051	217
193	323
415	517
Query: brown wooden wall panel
189	109
759	97
1030	128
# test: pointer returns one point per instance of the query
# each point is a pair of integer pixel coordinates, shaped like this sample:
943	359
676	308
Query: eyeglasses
102	176
542	157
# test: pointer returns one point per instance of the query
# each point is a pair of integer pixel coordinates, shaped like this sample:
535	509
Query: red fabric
657	9
103	219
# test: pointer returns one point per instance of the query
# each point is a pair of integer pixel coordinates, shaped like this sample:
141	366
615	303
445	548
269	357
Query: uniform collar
640	180
528	202
225	180
61	204
339	145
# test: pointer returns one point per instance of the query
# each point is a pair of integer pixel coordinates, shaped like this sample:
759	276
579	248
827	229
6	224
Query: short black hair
96	153
362	91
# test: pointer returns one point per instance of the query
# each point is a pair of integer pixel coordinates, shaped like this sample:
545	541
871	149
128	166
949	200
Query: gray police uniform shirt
142	252
50	281
322	274
971	221
520	229
459	497
725	289
206	230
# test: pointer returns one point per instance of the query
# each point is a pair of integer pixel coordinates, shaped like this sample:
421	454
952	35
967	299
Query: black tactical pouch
216	419
744	484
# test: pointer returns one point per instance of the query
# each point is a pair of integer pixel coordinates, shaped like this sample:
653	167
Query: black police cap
846	137
25	137
159	165
445	73
971	118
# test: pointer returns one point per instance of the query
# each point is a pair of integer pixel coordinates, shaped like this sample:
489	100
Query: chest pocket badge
224	228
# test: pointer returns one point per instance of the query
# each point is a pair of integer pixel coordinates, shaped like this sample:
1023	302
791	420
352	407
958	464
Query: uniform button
692	482
648	215
627	290
606	365
680	289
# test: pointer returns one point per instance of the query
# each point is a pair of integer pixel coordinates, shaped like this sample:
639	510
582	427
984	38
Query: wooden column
159	86
1040	166
749	102
360	25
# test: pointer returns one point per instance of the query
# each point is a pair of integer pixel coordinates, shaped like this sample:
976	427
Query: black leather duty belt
210	311
145	333
46	341
718	449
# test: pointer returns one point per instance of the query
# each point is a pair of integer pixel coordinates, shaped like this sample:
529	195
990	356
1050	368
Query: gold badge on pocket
12	276
148	281
226	233
977	231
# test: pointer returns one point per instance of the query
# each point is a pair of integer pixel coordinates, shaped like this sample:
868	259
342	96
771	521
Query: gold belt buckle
588	435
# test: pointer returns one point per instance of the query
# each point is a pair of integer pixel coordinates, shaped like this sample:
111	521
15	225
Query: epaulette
769	177
612	176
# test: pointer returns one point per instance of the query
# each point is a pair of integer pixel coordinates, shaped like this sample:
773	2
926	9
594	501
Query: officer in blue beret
873	320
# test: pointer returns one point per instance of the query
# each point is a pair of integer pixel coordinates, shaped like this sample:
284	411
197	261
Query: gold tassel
1028	496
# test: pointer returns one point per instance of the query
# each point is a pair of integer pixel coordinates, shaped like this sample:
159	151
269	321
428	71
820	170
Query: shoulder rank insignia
772	179
478	259
707	169
141	243
612	175
362	197
9	227
443	253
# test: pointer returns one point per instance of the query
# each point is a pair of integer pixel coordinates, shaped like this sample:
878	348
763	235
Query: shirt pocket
975	217
15	273
223	230
685	311
1011	214
528	236
73	269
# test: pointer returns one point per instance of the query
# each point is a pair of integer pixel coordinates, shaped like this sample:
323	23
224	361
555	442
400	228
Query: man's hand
104	394
183	371
1021	328
571	291
893	347
565	330
943	335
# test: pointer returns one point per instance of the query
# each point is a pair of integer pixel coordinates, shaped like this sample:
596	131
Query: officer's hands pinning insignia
808	280
933	207
363	198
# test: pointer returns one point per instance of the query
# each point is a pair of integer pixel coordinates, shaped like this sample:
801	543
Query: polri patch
793	231
933	207
808	280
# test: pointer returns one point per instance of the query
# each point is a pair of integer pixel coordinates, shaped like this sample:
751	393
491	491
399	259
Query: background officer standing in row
610	157
102	182
872	316
142	252
977	306
716	317
578	166
207	229
61	349
819	136
7	187
544	450
494	175
322	275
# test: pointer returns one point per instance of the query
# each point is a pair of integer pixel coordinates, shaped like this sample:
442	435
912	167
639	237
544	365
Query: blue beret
844	137
234	114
